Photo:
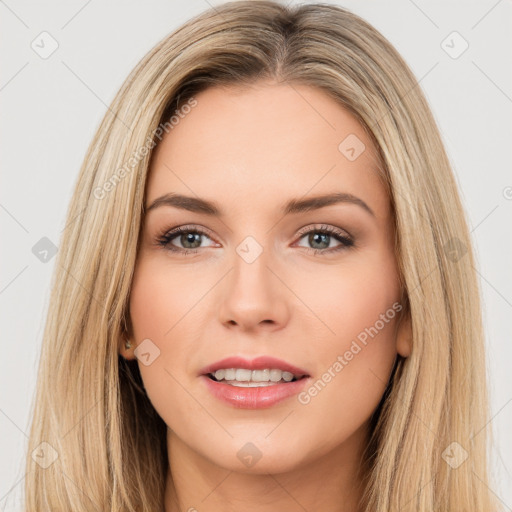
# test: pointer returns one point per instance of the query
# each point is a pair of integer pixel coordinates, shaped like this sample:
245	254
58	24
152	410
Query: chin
256	455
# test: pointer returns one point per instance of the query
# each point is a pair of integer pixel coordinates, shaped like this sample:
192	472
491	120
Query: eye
321	238
189	237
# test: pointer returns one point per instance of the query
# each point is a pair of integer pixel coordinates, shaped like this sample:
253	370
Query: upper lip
259	363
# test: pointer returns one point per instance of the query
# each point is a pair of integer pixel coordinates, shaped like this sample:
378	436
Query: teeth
243	375
260	375
253	378
220	374
276	375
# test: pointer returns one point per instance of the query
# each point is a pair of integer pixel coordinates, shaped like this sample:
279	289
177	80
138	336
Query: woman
266	300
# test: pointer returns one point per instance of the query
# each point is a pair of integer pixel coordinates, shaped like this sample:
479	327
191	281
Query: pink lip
259	363
253	398
256	397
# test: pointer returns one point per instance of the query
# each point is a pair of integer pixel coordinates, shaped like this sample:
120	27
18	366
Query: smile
242	377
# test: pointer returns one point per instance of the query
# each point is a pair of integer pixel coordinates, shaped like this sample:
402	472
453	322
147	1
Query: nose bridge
251	278
252	293
252	261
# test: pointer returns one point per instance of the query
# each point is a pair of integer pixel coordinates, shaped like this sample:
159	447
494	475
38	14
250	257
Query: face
315	287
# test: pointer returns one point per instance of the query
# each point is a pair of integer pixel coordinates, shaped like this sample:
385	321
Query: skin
251	150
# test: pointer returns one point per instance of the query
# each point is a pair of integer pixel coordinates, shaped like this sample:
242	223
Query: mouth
253	384
245	378
261	371
243	388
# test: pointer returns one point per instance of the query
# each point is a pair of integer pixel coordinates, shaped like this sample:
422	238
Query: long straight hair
105	444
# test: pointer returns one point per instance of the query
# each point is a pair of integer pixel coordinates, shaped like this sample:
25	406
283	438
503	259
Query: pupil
323	239
191	237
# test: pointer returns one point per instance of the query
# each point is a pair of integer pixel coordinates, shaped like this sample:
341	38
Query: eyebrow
294	206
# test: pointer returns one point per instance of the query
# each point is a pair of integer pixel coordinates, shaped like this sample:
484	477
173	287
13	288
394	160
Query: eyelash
165	239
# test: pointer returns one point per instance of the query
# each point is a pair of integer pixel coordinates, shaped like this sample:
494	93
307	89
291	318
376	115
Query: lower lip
253	398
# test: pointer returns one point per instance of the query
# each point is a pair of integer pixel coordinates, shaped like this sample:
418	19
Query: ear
404	334
127	353
126	336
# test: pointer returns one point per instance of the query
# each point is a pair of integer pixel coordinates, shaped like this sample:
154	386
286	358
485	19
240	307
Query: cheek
164	300
151	304
358	308
168	305
158	311
349	298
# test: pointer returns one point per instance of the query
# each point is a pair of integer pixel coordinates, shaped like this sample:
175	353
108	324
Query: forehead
260	145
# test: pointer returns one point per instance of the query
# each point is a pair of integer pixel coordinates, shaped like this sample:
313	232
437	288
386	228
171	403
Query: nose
254	296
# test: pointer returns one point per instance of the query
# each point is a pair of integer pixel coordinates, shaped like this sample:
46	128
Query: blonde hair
90	405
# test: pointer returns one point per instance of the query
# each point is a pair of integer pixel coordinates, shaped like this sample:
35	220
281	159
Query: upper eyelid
333	230
307	228
323	227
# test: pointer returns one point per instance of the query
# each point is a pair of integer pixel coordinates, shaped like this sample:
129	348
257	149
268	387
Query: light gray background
51	107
